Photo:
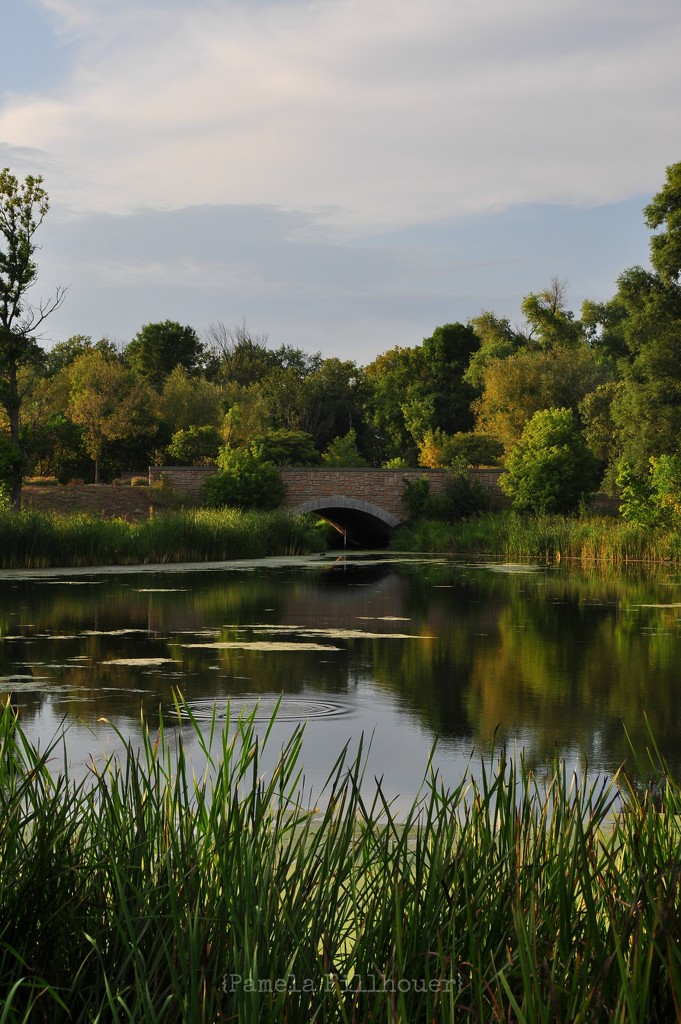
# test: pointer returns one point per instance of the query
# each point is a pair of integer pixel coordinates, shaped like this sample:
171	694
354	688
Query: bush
461	497
196	446
550	469
343	451
654	500
244	480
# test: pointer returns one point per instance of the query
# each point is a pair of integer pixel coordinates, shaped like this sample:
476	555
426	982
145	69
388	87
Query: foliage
420	388
57	448
23	207
107	401
11	459
174	896
187	400
195	446
335	395
532	380
286	448
664	211
158	348
61	355
343	451
550	469
36	540
508	534
244	480
462	496
416	496
438	449
653	500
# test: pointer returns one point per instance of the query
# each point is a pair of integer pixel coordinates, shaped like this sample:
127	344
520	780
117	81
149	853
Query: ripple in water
291	709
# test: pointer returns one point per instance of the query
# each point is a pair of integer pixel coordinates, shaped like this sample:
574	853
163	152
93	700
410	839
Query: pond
399	649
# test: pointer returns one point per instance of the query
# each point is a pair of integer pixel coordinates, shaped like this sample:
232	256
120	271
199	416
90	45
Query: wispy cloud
372	112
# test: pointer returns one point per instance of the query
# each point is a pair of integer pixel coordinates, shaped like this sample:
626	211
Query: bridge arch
361	521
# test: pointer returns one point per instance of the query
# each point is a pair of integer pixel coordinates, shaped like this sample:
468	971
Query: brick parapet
382	487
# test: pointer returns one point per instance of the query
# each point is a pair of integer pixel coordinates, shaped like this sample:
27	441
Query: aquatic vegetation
32	539
512	535
147	893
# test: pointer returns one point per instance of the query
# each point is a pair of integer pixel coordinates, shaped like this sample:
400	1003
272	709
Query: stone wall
106	500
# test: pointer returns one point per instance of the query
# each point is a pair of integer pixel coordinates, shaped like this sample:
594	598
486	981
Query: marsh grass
147	894
36	540
511	535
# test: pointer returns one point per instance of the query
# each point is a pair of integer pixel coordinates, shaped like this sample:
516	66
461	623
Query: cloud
353	299
368	113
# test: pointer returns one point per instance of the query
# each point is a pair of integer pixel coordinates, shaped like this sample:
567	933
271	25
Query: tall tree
108	401
665	211
23	206
640	328
421	388
158	348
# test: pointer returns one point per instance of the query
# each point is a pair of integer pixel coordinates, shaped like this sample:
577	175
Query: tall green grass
508	534
33	539
146	894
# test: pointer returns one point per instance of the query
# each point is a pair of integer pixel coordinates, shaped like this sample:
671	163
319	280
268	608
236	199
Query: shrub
462	496
139	481
244	480
195	446
343	451
654	500
550	469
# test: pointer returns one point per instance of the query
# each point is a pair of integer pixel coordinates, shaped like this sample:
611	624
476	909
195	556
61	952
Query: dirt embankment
106	500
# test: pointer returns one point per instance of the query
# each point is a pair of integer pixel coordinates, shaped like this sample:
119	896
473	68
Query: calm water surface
398	649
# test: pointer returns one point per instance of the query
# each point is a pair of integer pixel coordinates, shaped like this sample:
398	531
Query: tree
235	356
528	381
665	211
108	402
550	469
158	348
187	401
419	389
286	448
61	355
23	207
439	450
640	330
343	451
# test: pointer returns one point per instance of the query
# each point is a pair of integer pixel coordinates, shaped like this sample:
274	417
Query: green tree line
566	402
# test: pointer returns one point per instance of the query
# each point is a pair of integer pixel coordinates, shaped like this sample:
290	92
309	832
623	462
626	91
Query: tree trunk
13	407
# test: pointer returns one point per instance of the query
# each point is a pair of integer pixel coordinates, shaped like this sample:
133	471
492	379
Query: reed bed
510	535
148	894
36	540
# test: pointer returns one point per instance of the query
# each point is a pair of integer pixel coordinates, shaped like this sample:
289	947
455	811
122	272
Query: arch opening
364	524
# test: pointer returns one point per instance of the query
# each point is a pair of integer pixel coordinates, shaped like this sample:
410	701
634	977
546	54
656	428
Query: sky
343	175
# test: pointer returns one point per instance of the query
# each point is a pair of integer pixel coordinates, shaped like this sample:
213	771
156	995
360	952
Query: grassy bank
510	535
35	540
146	894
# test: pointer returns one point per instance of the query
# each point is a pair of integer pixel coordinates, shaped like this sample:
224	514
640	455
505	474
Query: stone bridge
364	503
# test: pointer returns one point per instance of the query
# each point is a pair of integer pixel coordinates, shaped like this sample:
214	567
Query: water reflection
404	649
